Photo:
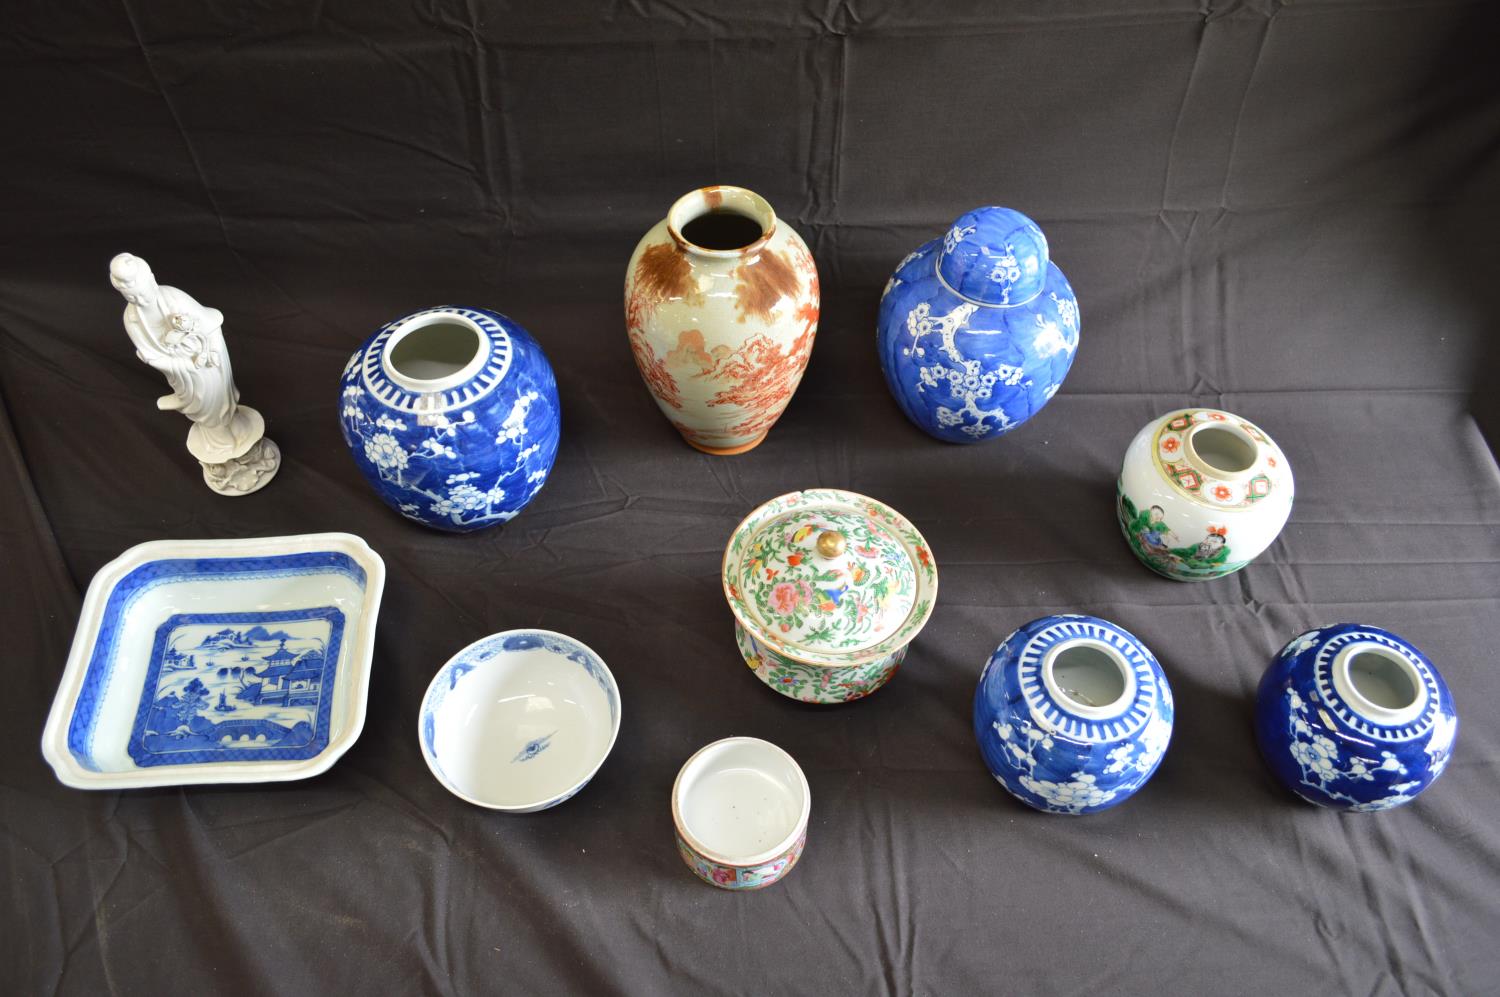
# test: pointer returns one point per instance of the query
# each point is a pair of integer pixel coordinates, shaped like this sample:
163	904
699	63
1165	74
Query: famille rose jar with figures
452	416
1201	493
1072	714
977	330
828	589
721	307
1353	717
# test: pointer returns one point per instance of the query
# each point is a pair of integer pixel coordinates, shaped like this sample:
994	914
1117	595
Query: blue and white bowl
1072	714
1354	717
519	721
452	416
977	329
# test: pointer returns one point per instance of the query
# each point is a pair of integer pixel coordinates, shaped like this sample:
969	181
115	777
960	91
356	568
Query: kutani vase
1072	714
1353	717
977	329
452	416
721	306
1201	493
828	589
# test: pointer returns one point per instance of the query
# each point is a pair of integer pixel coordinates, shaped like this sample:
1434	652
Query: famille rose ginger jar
1353	717
1072	714
828	589
452	416
1201	493
977	329
740	807
721	307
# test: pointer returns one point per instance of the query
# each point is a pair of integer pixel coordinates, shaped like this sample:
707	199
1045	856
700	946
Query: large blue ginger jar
1353	717
1072	714
452	416
977	329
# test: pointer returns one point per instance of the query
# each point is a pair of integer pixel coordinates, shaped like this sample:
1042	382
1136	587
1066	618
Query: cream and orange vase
721	335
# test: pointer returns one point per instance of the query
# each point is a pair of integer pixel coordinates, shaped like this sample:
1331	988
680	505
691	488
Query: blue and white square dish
203	661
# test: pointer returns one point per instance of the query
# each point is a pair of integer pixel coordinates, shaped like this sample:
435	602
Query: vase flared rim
721	198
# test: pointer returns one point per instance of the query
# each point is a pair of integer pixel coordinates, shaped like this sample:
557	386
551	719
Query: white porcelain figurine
185	341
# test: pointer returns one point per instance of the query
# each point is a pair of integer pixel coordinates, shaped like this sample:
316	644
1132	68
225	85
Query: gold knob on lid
830	543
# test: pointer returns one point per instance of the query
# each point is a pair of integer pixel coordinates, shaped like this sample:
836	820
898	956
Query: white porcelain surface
1202	492
133	601
519	721
741	801
722	336
183	340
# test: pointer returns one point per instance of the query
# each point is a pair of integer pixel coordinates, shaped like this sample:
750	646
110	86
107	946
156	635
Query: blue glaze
977	330
1044	749
84	720
272	673
1321	738
533	748
466	457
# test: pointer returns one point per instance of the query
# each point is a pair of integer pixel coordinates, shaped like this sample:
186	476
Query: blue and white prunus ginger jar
1353	717
1072	714
452	415
977	329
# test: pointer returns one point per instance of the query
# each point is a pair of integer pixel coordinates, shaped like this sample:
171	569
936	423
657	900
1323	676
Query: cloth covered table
1287	211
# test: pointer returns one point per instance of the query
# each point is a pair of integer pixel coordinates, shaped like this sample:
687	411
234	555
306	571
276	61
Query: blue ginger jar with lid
977	329
1072	714
452	416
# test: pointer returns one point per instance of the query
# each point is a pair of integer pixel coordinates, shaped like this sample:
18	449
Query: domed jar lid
829	577
994	256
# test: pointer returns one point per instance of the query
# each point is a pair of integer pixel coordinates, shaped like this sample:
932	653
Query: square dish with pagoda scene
218	661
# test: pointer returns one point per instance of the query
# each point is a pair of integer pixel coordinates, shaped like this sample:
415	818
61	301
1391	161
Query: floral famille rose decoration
827	588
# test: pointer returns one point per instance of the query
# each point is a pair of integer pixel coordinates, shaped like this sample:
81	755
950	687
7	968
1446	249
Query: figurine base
249	472
727	451
230	443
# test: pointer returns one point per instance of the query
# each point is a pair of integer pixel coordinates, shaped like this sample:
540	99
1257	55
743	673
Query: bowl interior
222	659
741	800
516	727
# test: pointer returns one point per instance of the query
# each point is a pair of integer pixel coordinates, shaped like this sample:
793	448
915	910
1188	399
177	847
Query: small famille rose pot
828	589
740	806
721	307
1201	493
1353	717
1072	714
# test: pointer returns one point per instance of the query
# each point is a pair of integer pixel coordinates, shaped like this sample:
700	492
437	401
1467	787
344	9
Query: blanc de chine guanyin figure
185	341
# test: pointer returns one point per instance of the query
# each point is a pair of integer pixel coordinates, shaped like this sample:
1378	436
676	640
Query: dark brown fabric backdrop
1289	211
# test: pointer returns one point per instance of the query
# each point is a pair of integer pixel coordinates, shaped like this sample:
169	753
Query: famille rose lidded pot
828	589
1353	717
977	329
1201	493
1072	714
452	416
721	307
